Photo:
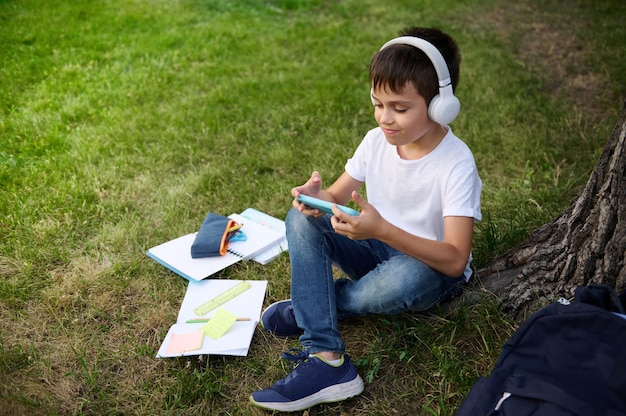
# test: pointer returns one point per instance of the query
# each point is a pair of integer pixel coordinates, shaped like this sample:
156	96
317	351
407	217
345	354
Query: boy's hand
312	187
359	227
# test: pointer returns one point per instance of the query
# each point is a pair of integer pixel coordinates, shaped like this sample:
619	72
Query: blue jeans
380	280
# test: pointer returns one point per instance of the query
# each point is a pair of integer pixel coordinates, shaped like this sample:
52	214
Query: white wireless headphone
444	107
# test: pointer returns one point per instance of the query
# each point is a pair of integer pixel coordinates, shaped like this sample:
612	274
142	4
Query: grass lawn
123	122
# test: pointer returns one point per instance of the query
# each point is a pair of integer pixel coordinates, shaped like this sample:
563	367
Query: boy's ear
372	96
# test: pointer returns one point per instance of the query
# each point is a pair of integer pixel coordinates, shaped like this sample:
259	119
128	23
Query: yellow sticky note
219	323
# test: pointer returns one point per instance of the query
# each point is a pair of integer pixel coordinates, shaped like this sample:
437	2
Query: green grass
123	123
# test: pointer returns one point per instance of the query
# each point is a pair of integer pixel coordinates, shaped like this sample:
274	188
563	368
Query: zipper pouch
213	236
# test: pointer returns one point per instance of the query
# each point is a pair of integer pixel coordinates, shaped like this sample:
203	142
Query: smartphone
324	206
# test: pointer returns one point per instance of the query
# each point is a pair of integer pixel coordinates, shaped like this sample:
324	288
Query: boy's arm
448	256
341	190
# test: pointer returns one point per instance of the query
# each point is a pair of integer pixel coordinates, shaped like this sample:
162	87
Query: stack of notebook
264	241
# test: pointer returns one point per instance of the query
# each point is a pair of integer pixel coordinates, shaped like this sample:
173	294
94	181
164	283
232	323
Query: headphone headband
431	51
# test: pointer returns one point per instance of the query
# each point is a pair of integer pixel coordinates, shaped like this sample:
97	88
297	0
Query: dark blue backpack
569	358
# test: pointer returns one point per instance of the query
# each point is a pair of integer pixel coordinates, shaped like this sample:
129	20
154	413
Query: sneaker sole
335	393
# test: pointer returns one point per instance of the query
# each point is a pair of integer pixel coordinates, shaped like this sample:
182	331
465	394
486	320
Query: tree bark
585	244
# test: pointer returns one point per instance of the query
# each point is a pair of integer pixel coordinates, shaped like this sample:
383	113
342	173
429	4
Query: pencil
202	320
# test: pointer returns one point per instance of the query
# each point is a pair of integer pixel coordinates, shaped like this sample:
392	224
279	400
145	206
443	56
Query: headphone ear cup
444	107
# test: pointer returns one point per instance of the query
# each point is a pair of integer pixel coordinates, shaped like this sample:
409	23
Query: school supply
569	358
204	320
213	236
226	329
274	224
222	298
176	254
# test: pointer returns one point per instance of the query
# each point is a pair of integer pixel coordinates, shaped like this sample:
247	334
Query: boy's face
402	117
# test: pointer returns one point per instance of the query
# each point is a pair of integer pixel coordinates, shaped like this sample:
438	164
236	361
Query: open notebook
187	337
176	254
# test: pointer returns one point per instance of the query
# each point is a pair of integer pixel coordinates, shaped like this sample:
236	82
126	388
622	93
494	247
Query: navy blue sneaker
312	381
278	318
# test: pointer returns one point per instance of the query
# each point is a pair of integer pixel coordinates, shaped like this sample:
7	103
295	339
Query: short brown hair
395	65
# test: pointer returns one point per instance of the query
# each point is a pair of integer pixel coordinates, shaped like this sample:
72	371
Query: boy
410	247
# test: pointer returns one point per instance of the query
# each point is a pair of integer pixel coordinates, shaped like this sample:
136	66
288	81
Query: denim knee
299	225
294	220
401	284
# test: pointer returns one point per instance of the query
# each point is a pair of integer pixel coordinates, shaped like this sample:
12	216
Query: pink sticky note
180	343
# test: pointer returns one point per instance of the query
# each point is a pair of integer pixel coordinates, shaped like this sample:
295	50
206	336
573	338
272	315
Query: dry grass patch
89	336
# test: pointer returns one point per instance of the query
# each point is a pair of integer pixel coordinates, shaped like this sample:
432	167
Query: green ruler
222	298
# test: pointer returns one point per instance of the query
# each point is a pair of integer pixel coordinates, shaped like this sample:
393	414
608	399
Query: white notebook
273	223
176	254
236	341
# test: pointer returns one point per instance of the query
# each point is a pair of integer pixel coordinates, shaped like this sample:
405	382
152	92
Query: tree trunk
585	244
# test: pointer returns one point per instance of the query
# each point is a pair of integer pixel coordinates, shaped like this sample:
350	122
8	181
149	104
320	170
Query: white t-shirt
416	195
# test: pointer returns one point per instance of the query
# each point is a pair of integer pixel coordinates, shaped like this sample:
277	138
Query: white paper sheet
236	341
